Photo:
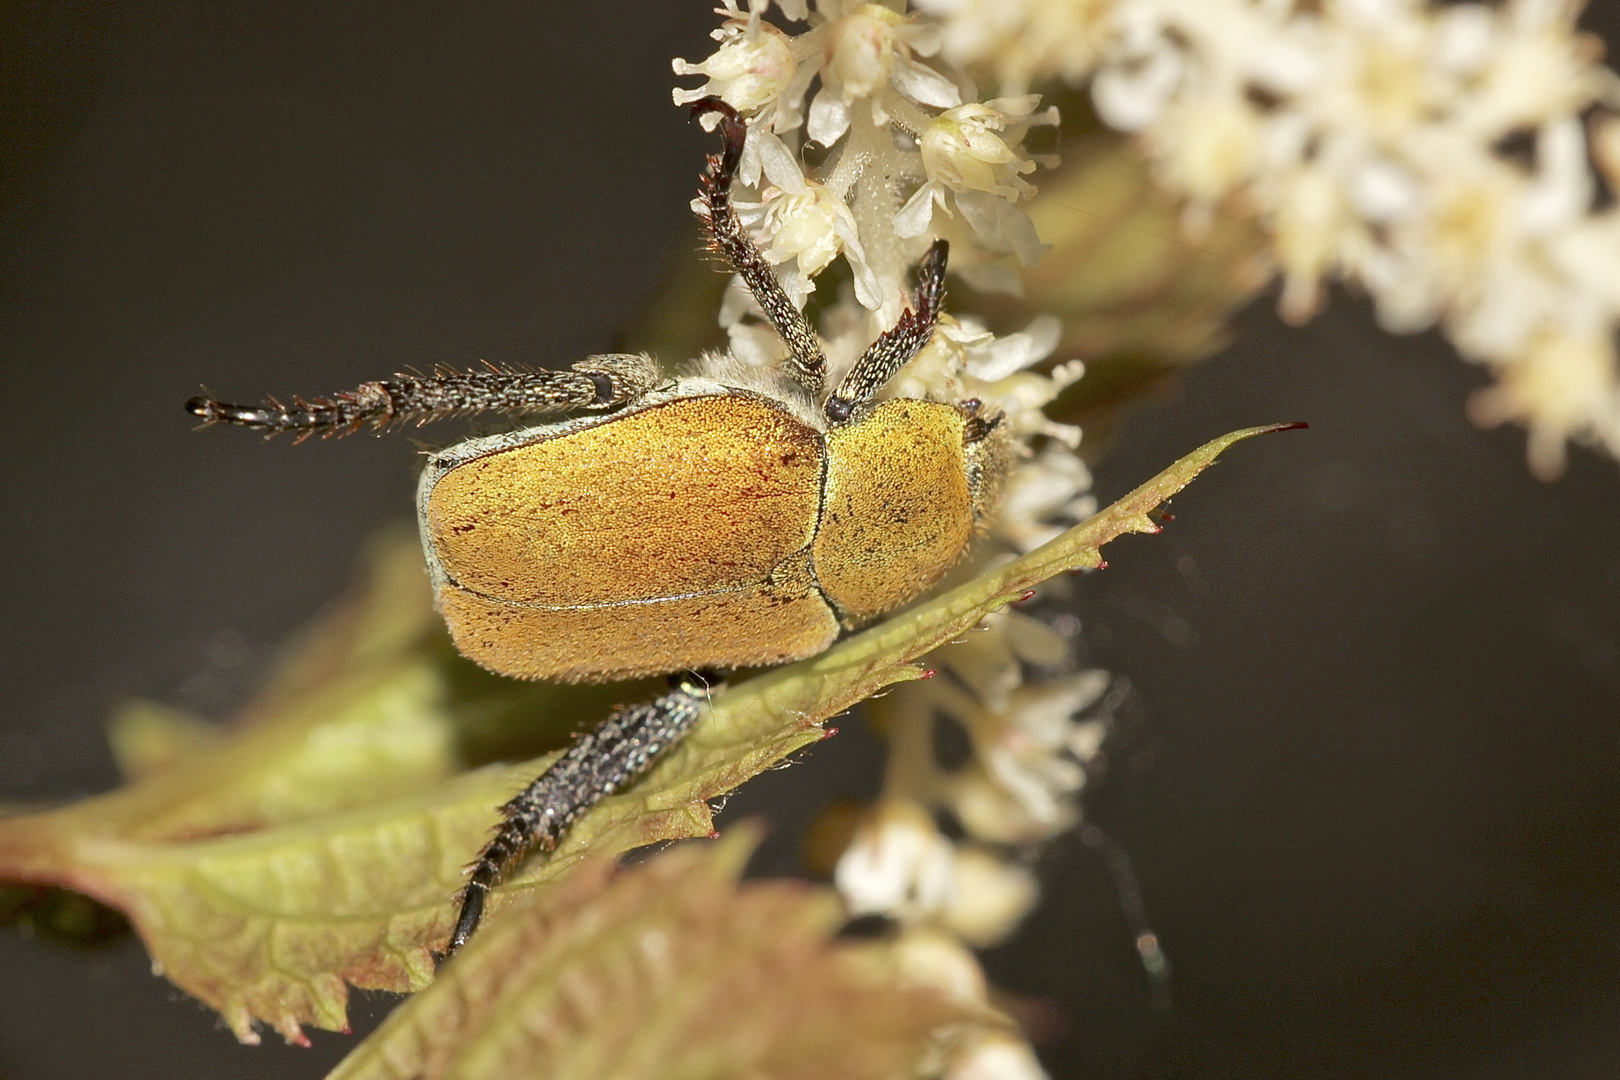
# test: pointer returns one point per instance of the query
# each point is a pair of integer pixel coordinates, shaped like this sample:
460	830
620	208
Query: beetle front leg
608	759
898	345
595	383
806	361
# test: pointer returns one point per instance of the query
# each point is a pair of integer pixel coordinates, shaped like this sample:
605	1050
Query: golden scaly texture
697	495
754	626
897	512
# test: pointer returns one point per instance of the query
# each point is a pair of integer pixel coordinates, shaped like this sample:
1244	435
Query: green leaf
148	736
322	845
665	970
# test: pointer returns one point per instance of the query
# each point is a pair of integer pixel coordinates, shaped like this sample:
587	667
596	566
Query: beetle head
988	451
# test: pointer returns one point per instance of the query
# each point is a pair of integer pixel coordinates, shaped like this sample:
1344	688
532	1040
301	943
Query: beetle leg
607	759
896	346
598	382
807	363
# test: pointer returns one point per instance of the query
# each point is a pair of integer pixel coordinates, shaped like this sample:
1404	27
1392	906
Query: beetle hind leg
595	383
602	761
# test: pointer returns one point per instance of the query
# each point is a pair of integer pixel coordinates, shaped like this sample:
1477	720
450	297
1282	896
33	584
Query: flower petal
829	118
1002	226
924	85
777	162
918	213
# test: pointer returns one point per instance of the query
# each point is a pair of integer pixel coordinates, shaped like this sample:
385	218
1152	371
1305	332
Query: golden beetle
705	526
729	519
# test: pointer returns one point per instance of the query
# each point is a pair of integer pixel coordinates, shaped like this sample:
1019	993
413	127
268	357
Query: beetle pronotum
727	519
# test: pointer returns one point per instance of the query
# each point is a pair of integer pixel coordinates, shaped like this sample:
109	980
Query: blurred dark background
1373	791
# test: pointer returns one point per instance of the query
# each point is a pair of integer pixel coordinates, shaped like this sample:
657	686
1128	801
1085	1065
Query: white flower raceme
1435	153
901	142
1027	748
899	139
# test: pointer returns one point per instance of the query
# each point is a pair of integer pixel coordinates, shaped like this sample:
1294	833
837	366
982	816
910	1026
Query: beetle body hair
730	369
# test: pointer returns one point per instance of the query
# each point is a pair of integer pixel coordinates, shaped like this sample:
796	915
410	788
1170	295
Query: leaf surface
667	969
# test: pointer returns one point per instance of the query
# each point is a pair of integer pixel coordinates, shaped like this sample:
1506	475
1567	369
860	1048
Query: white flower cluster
897	139
1027	747
1025	740
900	153
1010	785
1434	153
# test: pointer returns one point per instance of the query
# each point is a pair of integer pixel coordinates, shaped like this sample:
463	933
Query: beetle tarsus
472	908
600	762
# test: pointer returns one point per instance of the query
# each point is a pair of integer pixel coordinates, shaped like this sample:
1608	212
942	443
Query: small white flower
898	865
1043	497
861	50
811	229
1552	389
752	68
1012	353
966	151
990	896
1025	792
965	360
1023	41
996	1056
927	957
963	149
1207	148
1145	70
